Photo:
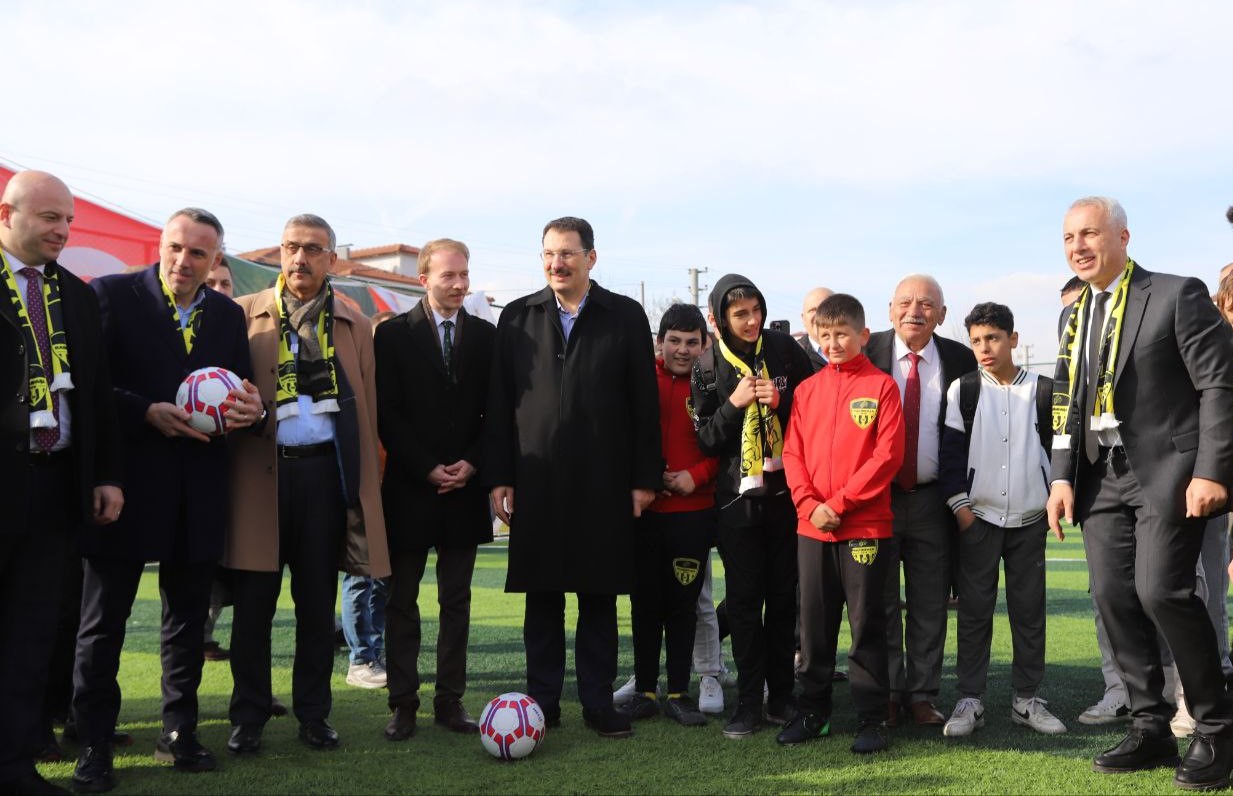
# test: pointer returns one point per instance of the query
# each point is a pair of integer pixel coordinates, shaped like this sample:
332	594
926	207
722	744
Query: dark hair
681	317
1074	283
199	216
1229	214
571	224
840	309
991	314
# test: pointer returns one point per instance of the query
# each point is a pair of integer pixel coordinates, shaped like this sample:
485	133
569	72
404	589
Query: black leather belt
305	451
48	458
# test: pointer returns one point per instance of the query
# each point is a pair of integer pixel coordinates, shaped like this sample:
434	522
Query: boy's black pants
670	552
831	574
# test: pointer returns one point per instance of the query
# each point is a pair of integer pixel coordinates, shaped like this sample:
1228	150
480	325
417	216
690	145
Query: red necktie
44	438
911	425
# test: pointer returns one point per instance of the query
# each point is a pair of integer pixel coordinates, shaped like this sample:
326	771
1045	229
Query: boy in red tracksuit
674	534
843	446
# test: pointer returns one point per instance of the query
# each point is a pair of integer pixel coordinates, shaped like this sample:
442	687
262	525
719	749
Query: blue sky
799	143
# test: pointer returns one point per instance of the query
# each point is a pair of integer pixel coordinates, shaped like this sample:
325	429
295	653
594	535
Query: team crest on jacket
863	411
686	569
864	551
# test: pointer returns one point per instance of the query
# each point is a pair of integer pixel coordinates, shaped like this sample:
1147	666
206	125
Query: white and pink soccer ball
205	394
511	726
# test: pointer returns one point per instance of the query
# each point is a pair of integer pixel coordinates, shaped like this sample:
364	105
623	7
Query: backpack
969	395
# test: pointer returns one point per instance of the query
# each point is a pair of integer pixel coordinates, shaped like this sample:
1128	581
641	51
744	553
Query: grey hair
196	214
1113	208
315	221
933	283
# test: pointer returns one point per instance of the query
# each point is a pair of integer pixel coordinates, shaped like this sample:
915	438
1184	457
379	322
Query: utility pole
693	284
642	289
1027	356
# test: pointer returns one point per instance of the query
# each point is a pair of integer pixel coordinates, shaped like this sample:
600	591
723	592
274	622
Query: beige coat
252	539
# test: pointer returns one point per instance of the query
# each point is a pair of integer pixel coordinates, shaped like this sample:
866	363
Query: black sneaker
682	710
780	711
639	706
805	727
870	738
608	723
745	722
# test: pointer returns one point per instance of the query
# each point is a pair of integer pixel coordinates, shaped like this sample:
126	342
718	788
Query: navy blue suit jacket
176	489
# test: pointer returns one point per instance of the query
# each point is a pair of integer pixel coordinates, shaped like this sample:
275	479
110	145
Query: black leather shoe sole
1217	784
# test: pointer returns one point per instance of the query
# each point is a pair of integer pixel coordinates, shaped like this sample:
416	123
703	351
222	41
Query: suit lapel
424	333
1136	307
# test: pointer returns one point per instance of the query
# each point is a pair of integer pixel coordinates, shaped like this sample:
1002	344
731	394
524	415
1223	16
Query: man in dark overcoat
433	365
159	325
61	460
573	458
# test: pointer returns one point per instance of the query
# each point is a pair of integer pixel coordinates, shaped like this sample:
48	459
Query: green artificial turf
661	757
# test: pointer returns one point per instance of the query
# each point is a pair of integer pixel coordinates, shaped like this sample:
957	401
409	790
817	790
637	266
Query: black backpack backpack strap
705	378
1044	412
969	396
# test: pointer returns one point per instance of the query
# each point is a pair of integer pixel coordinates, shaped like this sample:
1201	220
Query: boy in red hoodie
843	446
675	534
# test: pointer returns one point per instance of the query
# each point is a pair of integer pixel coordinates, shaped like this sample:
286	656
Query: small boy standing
845	442
994	466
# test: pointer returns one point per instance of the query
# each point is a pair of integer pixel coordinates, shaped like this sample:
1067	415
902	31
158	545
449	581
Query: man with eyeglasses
306	491
573	432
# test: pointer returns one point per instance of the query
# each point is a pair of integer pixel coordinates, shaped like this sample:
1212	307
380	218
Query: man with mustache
433	366
61	463
922	364
306	489
573	432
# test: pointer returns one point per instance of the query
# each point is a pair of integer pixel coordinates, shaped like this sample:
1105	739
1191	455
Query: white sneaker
1182	723
624	693
710	695
969	715
366	675
1032	713
1109	710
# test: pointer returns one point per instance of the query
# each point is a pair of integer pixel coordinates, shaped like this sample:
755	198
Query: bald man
814	351
60	464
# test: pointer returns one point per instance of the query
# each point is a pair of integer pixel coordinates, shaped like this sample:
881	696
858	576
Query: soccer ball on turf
511	726
205	394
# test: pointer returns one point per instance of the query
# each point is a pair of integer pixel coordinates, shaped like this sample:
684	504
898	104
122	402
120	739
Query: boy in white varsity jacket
994	470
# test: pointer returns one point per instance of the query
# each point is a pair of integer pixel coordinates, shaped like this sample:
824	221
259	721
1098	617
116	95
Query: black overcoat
176	497
573	428
428	417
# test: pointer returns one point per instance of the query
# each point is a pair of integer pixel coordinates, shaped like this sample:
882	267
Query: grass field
661	757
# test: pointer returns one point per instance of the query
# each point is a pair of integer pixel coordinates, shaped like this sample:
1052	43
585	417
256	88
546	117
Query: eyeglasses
564	254
311	249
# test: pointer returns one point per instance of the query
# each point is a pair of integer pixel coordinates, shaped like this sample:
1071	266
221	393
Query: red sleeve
874	476
704	472
804	495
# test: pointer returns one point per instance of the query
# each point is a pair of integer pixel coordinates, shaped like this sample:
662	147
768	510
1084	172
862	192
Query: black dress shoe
608	723
402	724
1137	752
870	738
454	717
31	784
245	739
805	727
213	651
94	772
277	708
318	734
1206	764
182	749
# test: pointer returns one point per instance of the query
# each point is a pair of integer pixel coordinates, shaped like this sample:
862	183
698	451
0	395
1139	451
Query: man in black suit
1142	455
922	363
812	300
159	325
433	367
61	460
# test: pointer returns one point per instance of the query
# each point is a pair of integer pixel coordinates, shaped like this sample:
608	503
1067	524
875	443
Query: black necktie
447	346
1095	334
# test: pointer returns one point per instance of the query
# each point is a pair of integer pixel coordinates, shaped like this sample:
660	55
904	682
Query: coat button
560	356
21	399
21	349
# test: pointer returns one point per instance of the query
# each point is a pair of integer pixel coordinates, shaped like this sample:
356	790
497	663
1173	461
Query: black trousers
832	574
109	587
669	554
923	528
59	695
760	572
404	631
311	523
595	649
1022	552
1141	566
31	568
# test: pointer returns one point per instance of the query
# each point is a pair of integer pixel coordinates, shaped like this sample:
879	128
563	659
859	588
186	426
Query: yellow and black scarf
1070	354
314	371
41	388
189	330
761	432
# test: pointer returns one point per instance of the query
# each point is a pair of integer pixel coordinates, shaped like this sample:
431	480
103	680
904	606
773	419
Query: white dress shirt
929	370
